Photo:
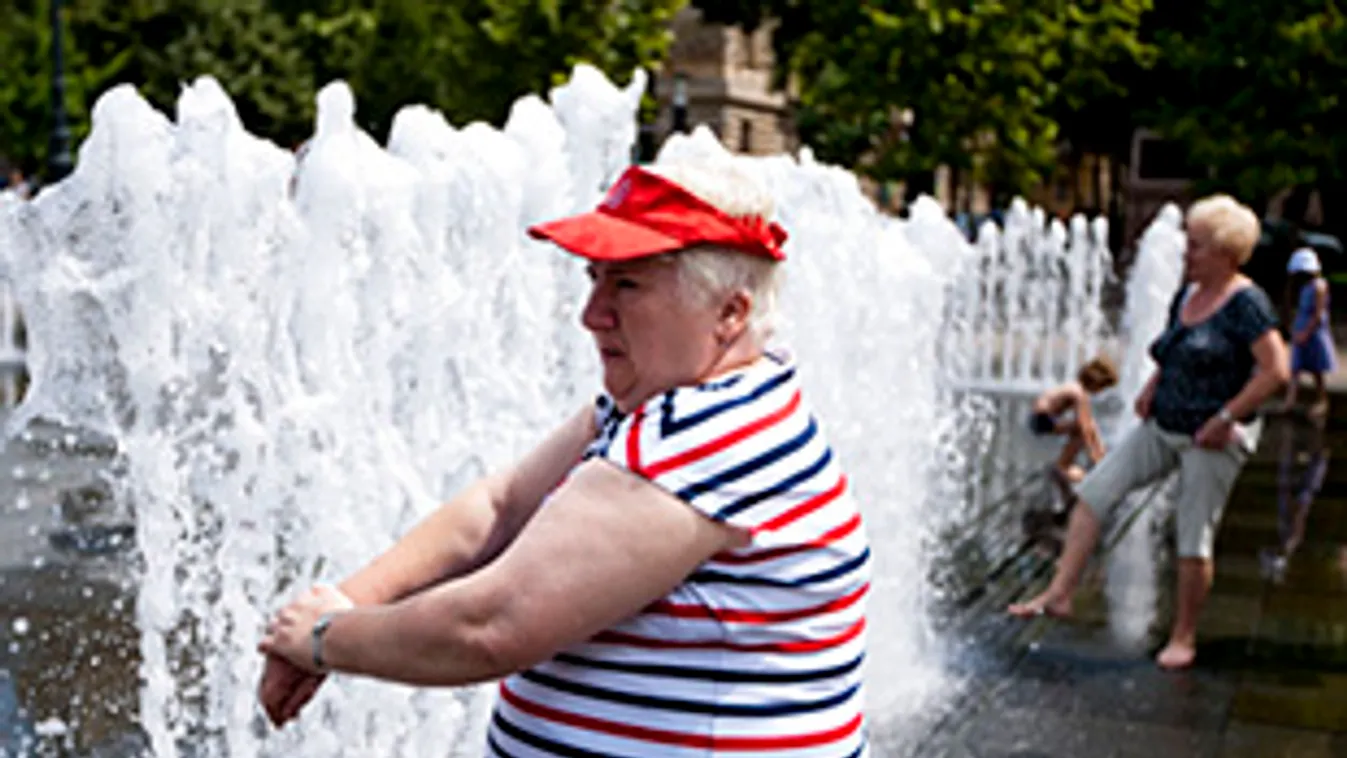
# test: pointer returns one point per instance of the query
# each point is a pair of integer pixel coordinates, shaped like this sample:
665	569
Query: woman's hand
285	689
1216	434
1143	403
290	633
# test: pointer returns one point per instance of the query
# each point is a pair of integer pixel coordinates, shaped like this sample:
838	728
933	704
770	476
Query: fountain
1152	281
295	362
1030	310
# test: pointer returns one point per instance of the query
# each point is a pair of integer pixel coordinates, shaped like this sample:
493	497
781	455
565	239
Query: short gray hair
711	273
1233	226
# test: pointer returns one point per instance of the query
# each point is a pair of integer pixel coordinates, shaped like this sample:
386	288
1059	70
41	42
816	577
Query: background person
1312	349
1065	410
1218	359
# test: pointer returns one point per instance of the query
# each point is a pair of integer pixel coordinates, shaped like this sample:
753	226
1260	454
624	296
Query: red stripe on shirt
634	442
801	646
720	443
669	737
690	610
805	508
823	540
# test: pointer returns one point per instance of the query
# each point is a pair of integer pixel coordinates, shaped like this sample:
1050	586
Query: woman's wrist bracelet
319	629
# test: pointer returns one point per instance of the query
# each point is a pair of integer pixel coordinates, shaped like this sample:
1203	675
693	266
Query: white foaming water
1031	311
1027	312
294	378
1153	279
1133	581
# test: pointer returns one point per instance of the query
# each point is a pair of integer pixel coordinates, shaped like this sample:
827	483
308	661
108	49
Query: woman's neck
1218	282
741	354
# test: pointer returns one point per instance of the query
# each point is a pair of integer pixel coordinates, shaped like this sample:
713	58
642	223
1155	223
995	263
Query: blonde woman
1219	359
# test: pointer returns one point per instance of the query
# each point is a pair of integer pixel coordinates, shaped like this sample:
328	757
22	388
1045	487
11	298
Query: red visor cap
645	214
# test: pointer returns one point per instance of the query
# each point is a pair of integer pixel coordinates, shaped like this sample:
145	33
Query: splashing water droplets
297	358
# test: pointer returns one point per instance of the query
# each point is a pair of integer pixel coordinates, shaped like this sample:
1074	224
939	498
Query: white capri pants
1206	477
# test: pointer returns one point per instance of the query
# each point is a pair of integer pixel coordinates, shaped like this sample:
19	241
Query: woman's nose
598	312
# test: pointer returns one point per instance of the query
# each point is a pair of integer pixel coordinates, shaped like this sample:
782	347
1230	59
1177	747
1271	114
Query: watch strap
319	629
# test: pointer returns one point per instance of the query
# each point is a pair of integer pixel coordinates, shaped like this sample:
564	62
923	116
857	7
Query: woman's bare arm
1143	401
1089	430
1273	371
470	530
607	544
1320	304
459	537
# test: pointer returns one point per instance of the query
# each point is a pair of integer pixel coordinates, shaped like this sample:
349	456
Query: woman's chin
617	389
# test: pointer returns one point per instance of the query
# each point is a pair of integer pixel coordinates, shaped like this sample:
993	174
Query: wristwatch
319	629
1224	415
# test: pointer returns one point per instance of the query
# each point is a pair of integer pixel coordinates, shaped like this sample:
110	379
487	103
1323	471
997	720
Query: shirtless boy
1065	410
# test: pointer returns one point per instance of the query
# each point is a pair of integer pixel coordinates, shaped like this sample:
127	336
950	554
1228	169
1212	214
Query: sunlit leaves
987	80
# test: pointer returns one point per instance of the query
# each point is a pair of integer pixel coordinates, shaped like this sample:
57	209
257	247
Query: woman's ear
734	313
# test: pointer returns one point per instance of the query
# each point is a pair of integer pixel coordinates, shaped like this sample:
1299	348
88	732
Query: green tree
473	59
1254	90
25	83
984	82
470	59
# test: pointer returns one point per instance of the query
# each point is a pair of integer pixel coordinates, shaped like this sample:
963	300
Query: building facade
722	78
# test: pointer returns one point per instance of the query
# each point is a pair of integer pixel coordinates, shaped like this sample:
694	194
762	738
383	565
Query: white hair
712	273
1233	226
721	184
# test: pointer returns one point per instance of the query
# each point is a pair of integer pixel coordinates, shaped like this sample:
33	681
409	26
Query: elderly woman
677	570
1218	359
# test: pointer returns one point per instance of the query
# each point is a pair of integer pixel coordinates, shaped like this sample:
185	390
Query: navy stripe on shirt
782	487
785	708
715	675
748	467
669	426
720	577
542	743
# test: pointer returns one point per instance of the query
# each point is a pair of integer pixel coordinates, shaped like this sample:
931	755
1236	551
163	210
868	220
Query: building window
745	136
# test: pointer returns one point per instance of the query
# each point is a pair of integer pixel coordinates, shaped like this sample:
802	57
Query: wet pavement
1271	676
1271	679
69	649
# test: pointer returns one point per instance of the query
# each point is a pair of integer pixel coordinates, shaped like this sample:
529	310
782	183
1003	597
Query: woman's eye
624	283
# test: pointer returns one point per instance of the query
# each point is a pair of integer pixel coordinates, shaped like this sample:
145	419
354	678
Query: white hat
1303	261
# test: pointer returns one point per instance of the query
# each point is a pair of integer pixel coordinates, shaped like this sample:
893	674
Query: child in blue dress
1312	350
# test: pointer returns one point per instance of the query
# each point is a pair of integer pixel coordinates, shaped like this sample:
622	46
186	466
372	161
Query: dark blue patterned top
1203	366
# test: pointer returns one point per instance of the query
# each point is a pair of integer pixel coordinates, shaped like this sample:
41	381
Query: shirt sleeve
746	463
1253	315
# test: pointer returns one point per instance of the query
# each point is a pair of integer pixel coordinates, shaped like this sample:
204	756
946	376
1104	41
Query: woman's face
651	337
1202	259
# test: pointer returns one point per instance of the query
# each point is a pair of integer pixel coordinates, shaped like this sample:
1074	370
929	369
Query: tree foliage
1255	90
470	58
988	83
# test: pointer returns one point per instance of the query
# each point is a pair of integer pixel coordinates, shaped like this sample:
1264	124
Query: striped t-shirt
759	651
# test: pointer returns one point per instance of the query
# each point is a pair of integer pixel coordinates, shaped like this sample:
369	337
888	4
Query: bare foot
1176	656
1045	604
1318	410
